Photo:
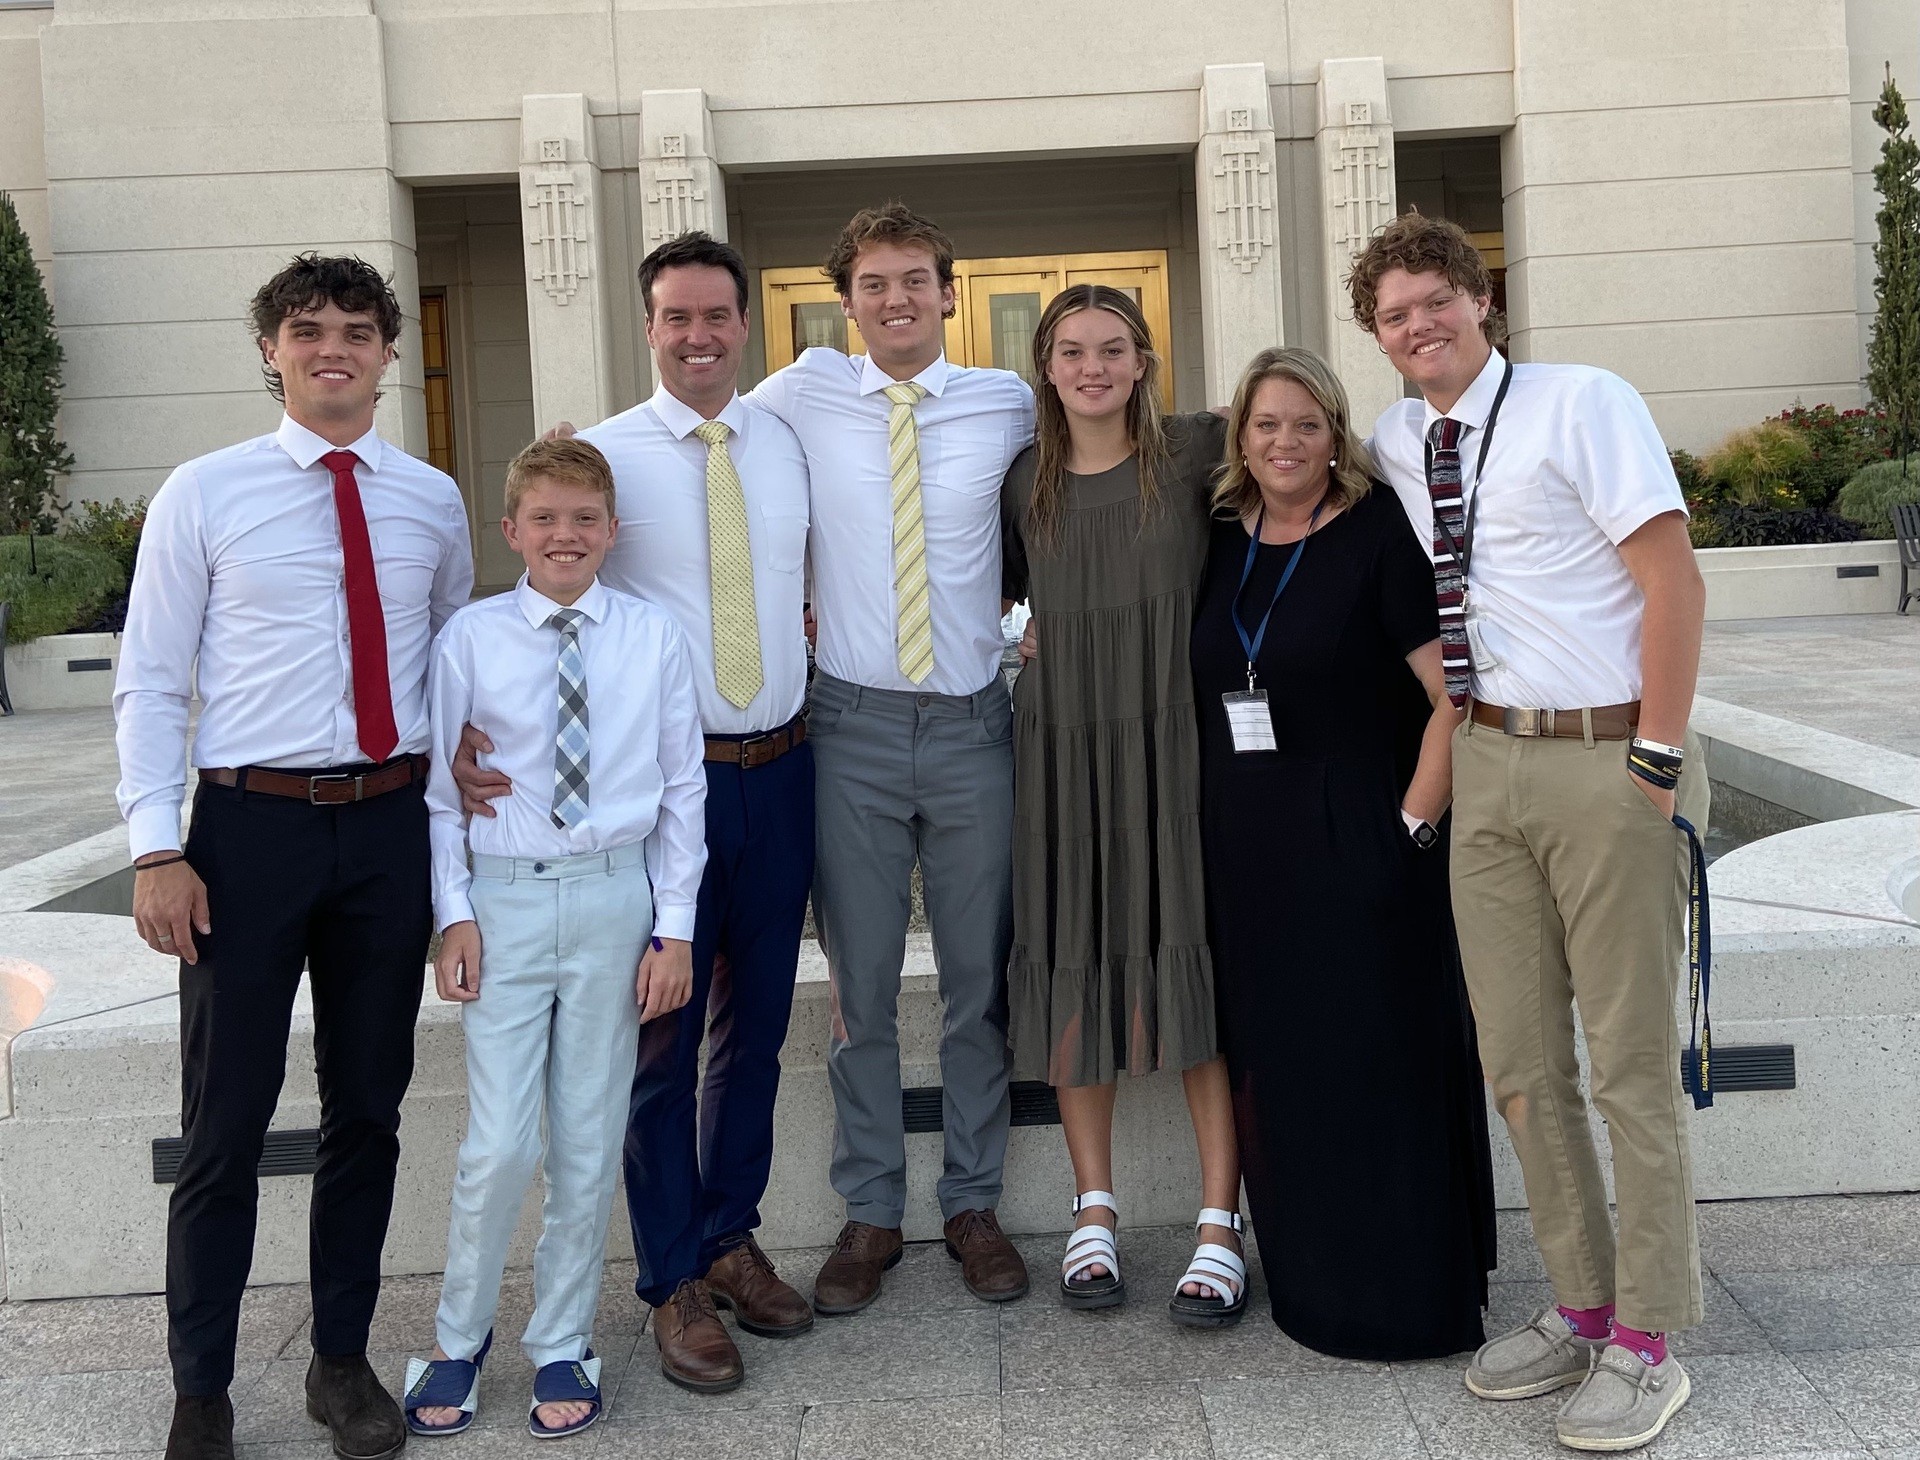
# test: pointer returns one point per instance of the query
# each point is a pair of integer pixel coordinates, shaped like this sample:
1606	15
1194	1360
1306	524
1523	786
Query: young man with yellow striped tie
912	732
713	509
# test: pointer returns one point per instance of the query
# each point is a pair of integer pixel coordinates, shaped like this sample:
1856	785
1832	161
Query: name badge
1249	720
1483	657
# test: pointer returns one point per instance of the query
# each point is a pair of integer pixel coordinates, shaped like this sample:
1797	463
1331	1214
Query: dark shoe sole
701	1386
318	1418
1085	1297
1208	1317
1011	1295
764	1330
842	1310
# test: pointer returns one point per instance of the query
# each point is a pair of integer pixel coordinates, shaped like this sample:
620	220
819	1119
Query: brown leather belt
1610	722
329	789
753	751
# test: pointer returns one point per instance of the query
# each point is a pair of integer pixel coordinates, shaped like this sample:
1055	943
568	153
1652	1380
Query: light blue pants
552	1033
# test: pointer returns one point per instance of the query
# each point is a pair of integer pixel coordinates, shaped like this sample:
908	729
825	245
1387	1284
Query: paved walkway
1808	1351
57	774
1856	675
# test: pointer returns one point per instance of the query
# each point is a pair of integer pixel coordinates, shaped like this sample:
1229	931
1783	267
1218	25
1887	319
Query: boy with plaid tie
566	920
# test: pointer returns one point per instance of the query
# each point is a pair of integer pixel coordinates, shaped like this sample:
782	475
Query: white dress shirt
972	424
1575	467
497	667
661	553
241	567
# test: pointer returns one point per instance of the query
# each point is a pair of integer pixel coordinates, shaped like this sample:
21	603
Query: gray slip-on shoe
1542	1355
1624	1403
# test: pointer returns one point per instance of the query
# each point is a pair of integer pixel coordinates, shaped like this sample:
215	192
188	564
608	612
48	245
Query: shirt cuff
154	828
674	922
450	908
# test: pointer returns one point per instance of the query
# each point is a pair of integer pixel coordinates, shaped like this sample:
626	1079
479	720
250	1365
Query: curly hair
1422	245
311	281
893	223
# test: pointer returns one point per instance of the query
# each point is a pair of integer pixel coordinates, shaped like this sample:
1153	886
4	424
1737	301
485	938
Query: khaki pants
1569	888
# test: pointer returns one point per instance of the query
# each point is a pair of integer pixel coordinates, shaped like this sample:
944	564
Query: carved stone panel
1242	196
556	236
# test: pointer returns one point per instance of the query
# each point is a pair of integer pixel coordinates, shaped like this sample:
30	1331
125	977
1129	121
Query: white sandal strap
1216	1267
1086	1247
1216	1217
1096	1199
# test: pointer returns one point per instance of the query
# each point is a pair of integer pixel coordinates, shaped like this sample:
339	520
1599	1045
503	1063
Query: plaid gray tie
570	739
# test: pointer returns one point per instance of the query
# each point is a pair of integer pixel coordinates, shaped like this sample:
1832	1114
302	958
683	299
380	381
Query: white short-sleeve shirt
1575	467
972	424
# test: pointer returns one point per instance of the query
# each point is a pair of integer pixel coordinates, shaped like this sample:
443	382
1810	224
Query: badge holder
1249	716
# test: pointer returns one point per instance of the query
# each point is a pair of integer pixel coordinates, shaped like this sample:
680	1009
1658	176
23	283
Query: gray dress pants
902	777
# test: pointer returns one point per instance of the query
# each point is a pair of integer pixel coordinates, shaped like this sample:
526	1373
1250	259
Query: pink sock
1589	1322
1651	1347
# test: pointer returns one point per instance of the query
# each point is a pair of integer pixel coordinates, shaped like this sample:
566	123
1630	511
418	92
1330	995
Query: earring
1333	461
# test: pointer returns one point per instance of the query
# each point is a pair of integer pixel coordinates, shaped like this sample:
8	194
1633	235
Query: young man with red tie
304	573
1570	625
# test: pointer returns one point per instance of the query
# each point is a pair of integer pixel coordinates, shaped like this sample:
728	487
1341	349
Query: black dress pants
344	892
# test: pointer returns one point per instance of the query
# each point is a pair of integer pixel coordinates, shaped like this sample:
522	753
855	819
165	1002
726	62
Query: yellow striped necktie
915	615
736	623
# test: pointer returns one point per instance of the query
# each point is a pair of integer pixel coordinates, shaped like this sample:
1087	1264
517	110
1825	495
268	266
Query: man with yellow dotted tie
713	508
912	729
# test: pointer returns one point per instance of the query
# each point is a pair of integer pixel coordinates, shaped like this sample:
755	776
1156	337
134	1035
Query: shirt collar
537	608
682	419
1476	400
306	448
873	379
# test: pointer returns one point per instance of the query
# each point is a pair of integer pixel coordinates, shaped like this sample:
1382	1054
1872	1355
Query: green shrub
113	527
65	582
1841	441
1761	466
1734	524
1869	499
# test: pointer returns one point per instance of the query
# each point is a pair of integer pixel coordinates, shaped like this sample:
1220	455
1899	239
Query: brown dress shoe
696	1351
850	1278
994	1271
743	1279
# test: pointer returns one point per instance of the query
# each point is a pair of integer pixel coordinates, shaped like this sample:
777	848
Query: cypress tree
1893	354
32	454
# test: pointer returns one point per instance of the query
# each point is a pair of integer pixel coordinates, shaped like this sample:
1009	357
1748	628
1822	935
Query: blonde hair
1052	443
1352	472
565	459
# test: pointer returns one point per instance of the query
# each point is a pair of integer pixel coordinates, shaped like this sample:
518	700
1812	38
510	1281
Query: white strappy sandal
1091	1246
1216	1267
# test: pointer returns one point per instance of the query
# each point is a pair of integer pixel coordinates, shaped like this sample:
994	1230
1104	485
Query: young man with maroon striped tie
1571	615
295	581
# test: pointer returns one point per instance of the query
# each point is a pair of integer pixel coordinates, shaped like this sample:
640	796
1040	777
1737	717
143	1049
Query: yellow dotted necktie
736	624
915	632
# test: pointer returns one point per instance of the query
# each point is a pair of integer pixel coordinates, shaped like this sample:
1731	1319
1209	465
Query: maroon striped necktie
1449	580
366	624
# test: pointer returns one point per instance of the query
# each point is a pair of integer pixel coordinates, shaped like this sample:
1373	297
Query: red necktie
367	626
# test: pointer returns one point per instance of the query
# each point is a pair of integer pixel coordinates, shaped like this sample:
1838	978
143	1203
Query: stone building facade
1680	193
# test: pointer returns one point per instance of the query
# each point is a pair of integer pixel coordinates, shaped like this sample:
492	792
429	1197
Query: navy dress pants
699	1151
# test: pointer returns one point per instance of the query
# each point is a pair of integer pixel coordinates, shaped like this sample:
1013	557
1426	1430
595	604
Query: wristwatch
1425	835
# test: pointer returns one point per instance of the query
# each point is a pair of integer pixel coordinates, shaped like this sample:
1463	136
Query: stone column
1240	267
562	221
1356	179
682	185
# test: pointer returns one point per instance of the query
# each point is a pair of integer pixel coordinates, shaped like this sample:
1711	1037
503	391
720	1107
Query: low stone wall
63	671
1802	580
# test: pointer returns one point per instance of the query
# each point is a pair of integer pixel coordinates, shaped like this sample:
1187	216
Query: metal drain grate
286	1153
1739	1067
1033	1104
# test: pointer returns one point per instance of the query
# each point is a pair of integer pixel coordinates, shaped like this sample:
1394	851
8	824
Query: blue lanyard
1252	645
1699	969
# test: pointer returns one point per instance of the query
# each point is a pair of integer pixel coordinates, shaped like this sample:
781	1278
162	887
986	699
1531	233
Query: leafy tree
32	454
1893	354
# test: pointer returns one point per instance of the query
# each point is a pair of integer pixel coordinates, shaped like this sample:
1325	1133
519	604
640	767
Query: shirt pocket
404	560
786	537
969	461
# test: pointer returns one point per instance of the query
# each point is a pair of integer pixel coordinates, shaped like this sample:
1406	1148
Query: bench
1906	531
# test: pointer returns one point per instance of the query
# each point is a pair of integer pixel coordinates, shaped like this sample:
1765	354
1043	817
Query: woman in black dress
1349	1043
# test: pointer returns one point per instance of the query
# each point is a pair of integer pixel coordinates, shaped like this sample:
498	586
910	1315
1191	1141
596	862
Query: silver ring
165	939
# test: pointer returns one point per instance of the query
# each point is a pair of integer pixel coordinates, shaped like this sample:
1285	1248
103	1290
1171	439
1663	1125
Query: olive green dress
1110	969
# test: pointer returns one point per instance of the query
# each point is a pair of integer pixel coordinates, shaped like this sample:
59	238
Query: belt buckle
313	787
1519	722
763	740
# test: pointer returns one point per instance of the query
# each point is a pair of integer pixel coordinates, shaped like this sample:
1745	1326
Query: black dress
1349	1041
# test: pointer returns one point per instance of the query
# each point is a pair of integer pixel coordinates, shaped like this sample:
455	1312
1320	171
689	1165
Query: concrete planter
1802	580
63	671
